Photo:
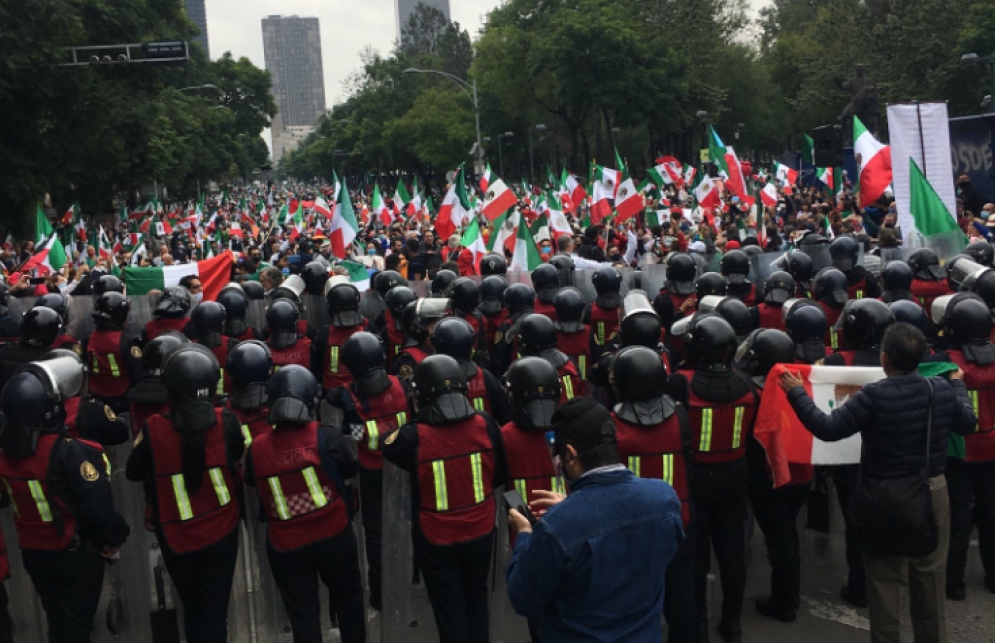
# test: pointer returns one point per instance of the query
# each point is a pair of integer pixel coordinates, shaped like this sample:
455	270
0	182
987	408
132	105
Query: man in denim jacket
592	569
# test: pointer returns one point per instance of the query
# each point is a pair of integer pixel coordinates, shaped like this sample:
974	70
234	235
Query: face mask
63	286
546	250
371	251
197	297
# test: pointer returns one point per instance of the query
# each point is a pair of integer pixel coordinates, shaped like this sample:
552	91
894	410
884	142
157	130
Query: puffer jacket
891	417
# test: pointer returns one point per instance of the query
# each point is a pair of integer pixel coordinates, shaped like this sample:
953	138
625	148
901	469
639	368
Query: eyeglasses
195	287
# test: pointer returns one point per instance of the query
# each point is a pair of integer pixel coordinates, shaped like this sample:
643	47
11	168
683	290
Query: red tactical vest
247	334
160	325
751	297
543	308
577	346
455	474
72	409
333	372
719	430
477	392
831	339
677	343
416	354
67	342
655	452
141	412
253	423
297	353
857	290
980	384
604	323
108	372
926	292
380	415
191	521
530	462
221	353
491	325
770	316
302	503
42	520
571	385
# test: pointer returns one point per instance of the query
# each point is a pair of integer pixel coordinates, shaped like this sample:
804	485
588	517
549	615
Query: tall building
292	48
198	16
404	8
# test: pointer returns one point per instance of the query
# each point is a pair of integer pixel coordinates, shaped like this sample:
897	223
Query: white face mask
63	286
197	297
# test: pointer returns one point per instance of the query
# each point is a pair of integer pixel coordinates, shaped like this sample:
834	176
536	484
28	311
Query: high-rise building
404	8
198	16
292	48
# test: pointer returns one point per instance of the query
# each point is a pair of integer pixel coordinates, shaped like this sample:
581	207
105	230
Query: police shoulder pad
136	352
405	372
78	349
88	472
390	438
110	414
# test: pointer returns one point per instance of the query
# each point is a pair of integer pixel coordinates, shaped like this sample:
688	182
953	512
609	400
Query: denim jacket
593	567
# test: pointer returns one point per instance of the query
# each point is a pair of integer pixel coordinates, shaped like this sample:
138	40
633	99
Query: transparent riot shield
256	314
315	311
371	304
819	253
654	278
763	266
893	254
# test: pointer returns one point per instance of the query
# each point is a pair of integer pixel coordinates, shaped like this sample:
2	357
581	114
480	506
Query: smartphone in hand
514	500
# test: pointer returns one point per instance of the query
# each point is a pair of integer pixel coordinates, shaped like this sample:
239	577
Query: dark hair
905	346
187	280
391	261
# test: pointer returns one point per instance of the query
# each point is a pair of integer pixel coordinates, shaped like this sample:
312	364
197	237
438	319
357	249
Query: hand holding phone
514	500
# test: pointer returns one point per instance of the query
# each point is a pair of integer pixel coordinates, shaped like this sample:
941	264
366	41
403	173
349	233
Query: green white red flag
344	227
213	274
875	164
526	255
455	207
498	199
474	243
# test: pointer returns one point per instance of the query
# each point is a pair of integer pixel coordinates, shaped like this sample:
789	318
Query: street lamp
538	128
970	58
467	89
500	150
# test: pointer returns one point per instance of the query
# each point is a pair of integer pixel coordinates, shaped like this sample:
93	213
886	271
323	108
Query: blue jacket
593	568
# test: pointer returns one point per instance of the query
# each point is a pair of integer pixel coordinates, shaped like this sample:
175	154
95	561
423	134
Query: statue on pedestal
864	101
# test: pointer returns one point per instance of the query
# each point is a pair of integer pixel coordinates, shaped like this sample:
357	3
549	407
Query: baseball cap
732	245
584	423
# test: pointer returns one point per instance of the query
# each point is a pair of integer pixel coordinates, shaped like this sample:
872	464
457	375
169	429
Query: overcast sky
347	26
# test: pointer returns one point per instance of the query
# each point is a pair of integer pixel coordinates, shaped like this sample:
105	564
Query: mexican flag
505	230
628	201
359	276
605	182
43	228
540	227
498	199
768	195
49	256
214	274
526	256
825	176
401	197
558	223
487	178
455	207
786	176
474	242
344	225
414	207
707	193
927	208
875	163
717	153
573	187
808	149
380	209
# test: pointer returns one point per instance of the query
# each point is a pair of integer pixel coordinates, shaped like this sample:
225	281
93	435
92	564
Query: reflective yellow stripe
317	493
276	368
220	486
582	364
599	335
558	485
668	468
860	294
441	497
372	435
402	418
182	500
115	371
922	302
832	337
246	435
41	502
568	386
478	403
397	348
281	502
521	489
478	478
706	430
221	381
737	427
634	465
974	404
96	365
10	494
333	359
107	465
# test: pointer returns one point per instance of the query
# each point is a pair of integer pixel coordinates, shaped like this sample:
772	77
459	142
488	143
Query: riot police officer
520	301
845	252
909	312
864	324
107	283
86	417
392	333
188	457
315	276
442	281
63	509
148	397
250	364
722	406
208	323
640	326
383	283
738	315
308	509
492	307
896	280
799	266
419	318
681	275
573	336
292	289
735	267
454	337
59	302
493	264
829	288
981	252
39	328
464	294
285	342
602	313
929	278
537	338
455	458
236	305
374	405
805	323
9	329
546	281
171	313
342	303
779	287
654	441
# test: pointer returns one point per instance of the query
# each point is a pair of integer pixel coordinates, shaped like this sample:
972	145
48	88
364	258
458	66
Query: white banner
832	387
920	132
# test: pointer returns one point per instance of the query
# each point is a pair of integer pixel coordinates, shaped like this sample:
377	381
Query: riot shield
819	253
763	266
654	278
315	311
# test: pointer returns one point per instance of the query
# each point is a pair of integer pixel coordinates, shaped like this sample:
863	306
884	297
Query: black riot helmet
342	303
864	324
896	280
981	252
829	286
175	302
533	387
190	373
844	252
209	321
441	281
738	315
455	337
710	283
363	356
779	288
909	312
293	395
546	281
638	378
40	326
925	265
984	287
806	323
253	290
536	334
607	283
735	266
250	365
519	298
681	273
315	275
113	307
798	265
397	299
281	320
956	277
493	264
58	302
419	316
154	353
710	342
236	305
291	289
29	403
107	283
492	291
640	325
764	348
439	390
569	304
465	295
967	324
562	262
386	280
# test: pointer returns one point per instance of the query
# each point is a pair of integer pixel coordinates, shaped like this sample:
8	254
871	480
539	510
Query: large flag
498	199
768	195
344	225
505	230
487	178
540	227
574	189
380	209
213	274
526	256
930	213
49	256
628	201
455	207
786	176
558	223
359	276
605	183
717	152
707	193
43	228
474	243
875	163
808	149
